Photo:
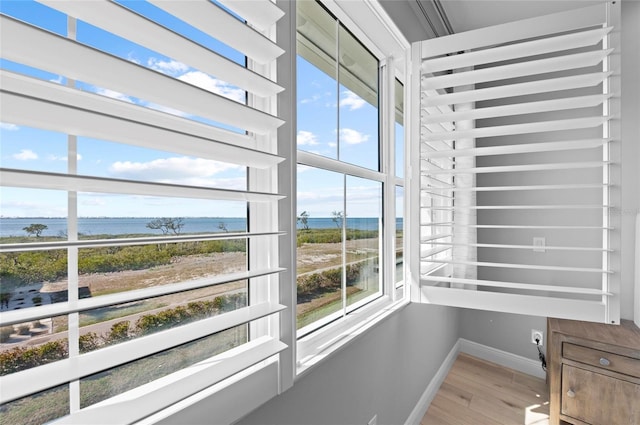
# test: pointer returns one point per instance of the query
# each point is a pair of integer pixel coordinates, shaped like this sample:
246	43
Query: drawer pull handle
604	362
571	393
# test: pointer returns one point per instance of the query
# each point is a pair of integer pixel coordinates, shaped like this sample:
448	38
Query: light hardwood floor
477	392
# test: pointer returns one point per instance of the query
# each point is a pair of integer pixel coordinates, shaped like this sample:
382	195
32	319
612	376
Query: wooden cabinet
594	373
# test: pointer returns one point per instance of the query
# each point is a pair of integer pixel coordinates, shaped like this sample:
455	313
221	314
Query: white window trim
370	24
267	375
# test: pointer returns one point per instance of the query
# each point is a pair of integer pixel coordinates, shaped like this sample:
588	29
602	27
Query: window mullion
73	319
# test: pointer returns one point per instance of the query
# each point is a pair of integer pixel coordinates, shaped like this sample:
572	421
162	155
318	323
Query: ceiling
465	15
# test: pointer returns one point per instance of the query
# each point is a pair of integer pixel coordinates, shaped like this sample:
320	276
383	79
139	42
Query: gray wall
383	372
630	149
511	332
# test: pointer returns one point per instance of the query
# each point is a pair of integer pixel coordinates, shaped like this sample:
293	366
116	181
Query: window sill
315	347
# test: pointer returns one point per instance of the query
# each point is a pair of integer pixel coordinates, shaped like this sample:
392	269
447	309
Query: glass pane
112	382
107	270
399	243
33	278
319	246
111	325
317	90
121	161
358	132
103	215
364	238
28	148
125	49
399	129
32	215
31	344
38	408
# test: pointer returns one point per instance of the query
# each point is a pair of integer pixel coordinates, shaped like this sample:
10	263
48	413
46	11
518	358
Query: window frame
364	20
261	288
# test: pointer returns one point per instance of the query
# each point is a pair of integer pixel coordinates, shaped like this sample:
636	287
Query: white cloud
166	109
62	158
25	155
207	82
22	208
311	99
183	170
351	100
170	67
306	138
93	201
113	94
352	137
131	57
9	127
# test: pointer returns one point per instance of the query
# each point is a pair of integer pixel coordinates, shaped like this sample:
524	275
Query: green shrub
327	280
119	332
90	342
23	330
21	358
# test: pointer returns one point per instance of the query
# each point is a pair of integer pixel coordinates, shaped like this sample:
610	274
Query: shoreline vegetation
107	270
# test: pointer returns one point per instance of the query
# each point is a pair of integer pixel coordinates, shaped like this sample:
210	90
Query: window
136	202
518	163
399	188
340	187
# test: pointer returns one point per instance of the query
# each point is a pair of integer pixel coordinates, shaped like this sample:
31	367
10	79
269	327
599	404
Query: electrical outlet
373	421
539	244
535	334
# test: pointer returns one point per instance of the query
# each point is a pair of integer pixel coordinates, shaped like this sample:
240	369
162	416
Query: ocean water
137	225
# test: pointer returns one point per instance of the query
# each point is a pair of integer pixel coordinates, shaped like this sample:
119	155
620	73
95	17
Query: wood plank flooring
477	392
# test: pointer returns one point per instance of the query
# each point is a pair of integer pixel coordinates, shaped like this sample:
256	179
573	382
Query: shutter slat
515	285
259	13
435	237
23	383
506	130
35	47
520	188
142	402
211	19
520	227
65	182
517	30
520	109
523	148
519	89
528	247
52	310
96	243
520	168
541	66
515	51
515	207
119	20
27	101
523	266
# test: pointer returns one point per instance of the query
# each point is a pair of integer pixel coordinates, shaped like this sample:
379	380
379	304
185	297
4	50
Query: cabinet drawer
591	397
602	359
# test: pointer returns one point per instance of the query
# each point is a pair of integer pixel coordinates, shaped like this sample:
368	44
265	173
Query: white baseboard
432	389
503	358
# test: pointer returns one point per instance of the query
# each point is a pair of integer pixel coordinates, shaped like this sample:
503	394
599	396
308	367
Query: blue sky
319	102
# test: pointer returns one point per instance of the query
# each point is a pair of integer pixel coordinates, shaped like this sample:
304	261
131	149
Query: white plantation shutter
539	160
42	104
